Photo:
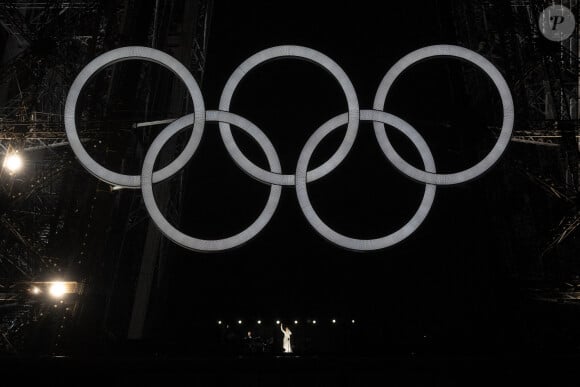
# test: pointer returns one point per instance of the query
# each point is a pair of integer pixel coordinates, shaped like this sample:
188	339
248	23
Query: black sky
443	278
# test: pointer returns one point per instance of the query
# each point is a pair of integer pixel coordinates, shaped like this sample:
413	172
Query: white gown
286	343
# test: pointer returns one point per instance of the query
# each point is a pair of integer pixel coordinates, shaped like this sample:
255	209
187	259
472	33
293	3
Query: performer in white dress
286	343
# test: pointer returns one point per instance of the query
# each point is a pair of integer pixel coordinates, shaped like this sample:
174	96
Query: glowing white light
240	322
259	322
295	322
57	289
333	321
35	290
313	321
352	321
277	322
13	162
220	322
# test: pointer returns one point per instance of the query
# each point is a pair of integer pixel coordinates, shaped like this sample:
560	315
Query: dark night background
444	282
479	284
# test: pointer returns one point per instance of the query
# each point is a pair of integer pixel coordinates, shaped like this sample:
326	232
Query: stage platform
296	370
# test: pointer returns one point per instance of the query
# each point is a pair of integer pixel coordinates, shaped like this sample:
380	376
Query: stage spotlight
57	289
333	321
220	322
352	321
277	322
314	322
240	322
35	290
259	322
13	162
295	321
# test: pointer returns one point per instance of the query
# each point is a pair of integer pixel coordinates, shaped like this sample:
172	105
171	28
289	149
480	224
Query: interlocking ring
506	101
298	52
364	244
274	176
119	55
201	244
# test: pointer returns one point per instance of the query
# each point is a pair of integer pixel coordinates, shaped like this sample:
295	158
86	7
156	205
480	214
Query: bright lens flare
13	162
57	289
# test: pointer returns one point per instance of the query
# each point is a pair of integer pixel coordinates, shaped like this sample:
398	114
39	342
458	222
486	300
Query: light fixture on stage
219	322
13	162
240	322
277	322
352	321
35	290
259	322
314	322
295	321
333	321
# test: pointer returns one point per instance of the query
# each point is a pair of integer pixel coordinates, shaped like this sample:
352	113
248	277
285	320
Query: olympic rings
300	53
118	55
200	244
274	176
364	244
506	128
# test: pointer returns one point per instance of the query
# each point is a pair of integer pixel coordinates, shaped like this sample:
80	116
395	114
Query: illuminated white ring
297	52
506	128
201	244
364	244
118	55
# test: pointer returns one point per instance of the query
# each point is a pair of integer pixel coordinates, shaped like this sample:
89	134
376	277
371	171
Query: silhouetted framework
56	221
544	78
